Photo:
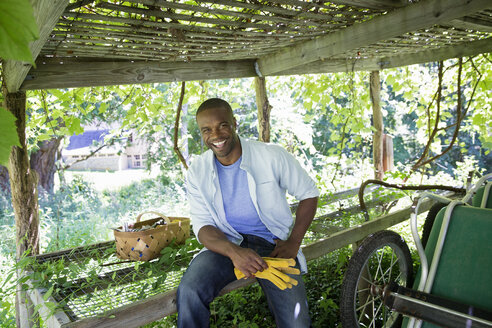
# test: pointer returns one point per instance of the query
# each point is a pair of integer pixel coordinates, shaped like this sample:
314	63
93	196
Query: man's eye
224	125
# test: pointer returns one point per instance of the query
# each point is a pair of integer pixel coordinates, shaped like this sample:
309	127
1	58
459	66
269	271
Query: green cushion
477	198
464	273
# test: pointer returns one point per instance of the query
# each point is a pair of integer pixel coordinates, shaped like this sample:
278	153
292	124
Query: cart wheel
382	257
429	221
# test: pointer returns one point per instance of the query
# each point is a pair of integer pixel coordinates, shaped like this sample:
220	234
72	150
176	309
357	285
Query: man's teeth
218	144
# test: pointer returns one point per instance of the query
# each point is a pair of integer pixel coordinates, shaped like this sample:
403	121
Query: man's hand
244	259
286	248
247	261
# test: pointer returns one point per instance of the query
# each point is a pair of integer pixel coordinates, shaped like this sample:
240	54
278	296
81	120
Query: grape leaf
17	28
8	135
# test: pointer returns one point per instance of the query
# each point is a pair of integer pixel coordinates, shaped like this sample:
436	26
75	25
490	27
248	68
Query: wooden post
377	118
23	185
264	109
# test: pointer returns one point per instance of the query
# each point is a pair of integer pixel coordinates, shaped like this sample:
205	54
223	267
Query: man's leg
289	306
207	274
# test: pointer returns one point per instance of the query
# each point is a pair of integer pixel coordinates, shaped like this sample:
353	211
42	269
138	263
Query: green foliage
9	135
17	28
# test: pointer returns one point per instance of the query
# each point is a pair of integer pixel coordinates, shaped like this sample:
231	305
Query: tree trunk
377	118
4	180
264	109
43	161
23	184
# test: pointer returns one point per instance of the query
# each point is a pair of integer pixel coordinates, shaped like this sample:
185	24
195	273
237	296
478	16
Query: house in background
126	155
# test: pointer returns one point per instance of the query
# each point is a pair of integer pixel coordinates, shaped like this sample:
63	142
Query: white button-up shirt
271	172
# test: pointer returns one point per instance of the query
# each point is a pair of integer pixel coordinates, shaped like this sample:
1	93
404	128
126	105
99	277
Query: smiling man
239	212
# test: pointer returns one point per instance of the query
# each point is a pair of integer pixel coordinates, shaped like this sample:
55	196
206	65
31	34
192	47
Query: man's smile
219	144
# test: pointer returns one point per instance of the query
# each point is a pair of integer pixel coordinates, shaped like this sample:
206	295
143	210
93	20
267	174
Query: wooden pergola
89	42
105	42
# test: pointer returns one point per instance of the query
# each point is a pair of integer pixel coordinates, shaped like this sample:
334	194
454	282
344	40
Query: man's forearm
215	240
304	216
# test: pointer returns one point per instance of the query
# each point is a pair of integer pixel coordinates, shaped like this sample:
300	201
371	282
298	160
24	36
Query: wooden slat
357	233
52	320
218	11
367	64
46	13
70	74
413	17
114	73
374	4
471	23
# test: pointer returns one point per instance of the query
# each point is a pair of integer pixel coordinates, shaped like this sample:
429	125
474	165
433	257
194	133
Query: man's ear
235	122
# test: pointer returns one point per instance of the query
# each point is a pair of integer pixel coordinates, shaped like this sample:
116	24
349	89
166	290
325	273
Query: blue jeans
209	272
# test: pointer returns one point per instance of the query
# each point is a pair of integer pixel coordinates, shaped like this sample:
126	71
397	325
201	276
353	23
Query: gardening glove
282	265
276	272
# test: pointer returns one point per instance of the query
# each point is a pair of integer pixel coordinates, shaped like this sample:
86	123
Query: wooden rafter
413	17
83	73
46	13
377	63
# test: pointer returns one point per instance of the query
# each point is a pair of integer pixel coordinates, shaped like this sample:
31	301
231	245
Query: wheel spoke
392	264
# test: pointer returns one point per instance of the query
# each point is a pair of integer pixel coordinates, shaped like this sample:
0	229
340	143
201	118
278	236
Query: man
239	212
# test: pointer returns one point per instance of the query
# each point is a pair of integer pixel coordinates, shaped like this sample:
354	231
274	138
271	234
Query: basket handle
168	221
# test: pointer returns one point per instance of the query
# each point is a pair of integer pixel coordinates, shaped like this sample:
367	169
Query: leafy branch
460	115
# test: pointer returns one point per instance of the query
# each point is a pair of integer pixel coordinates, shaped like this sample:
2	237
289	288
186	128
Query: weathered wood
46	13
377	123
413	17
373	4
357	233
113	73
470	23
172	16
379	63
52	320
264	109
53	74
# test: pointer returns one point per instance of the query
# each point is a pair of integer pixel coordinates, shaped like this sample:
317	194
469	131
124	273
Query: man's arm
244	259
304	216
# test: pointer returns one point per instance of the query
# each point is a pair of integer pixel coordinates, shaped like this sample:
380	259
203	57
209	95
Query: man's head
218	128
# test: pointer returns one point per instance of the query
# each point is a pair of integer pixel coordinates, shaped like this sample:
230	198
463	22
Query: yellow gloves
277	272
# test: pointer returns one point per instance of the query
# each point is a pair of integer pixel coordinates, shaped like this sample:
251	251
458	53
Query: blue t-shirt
239	209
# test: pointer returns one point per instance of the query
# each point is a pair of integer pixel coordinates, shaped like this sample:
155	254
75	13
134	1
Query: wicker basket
147	244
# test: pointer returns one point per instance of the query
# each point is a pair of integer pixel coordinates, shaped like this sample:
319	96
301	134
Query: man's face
218	129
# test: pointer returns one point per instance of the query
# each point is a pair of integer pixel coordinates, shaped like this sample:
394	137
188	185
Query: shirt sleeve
294	178
199	211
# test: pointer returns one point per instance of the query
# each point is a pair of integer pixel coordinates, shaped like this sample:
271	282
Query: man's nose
214	133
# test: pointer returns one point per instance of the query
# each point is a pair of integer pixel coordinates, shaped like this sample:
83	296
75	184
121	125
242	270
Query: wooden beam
371	64
413	17
377	123
471	23
374	4
84	74
52	320
359	232
264	108
46	13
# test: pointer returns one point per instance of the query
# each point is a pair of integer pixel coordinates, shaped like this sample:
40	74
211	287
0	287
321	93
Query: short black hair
214	103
